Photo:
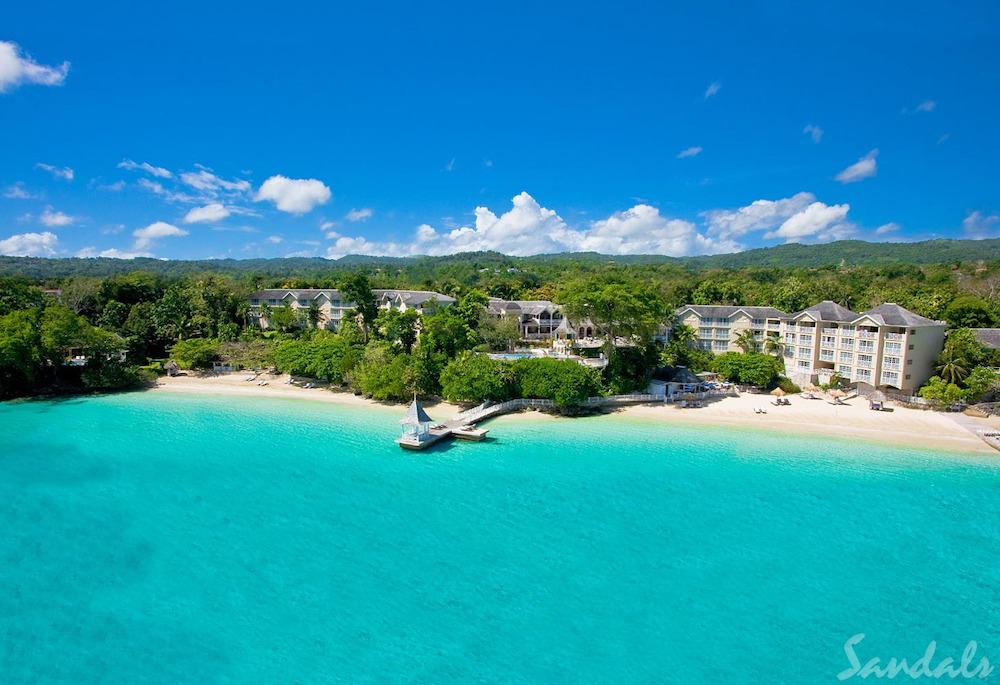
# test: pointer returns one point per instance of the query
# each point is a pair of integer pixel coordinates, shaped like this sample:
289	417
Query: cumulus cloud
860	170
979	225
65	173
689	152
887	228
728	224
712	89
144	237
17	68
113	253
926	106
30	245
814	131
818	221
275	239
54	219
157	171
210	212
17	192
359	214
528	228
295	196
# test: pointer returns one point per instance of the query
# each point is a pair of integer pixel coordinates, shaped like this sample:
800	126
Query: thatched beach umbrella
778	392
809	387
836	392
688	397
877	396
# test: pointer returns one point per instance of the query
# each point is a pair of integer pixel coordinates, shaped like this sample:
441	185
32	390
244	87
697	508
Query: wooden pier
423	432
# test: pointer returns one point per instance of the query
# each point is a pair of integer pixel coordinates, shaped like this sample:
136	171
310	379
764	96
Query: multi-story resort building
333	306
718	326
539	319
884	346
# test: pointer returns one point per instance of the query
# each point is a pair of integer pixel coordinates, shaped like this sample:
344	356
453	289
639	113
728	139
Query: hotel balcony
773	326
867	334
830	331
895	336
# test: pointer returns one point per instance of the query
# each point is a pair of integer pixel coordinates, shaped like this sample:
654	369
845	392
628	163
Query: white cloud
712	89
17	68
818	221
210	212
275	239
689	152
977	225
113	253
528	228
17	192
30	245
152	186
926	106
450	165
943	138
295	196
860	170
814	131
887	228
53	219
759	215
359	214
642	230
112	229
64	173
144	237
157	171
115	187
208	182
326	225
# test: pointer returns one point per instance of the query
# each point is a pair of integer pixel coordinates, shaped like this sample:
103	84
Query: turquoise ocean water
162	538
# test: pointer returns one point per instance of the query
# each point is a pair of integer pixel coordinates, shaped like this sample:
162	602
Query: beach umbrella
809	387
837	392
778	392
689	397
877	396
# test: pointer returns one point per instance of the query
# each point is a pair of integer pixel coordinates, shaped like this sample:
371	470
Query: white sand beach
902	427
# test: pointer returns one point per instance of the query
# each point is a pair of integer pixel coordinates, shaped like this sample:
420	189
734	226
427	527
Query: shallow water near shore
160	538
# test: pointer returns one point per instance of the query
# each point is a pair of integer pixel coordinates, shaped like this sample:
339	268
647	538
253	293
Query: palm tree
264	315
952	367
746	341
773	344
684	335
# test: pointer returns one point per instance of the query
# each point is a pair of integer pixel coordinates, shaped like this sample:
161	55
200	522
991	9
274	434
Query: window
893	348
758	323
272	301
789	337
705	345
254	300
826	355
721	345
866	346
846	357
805	339
303	303
909	362
907	376
890	378
704	332
847	343
864	375
803	364
891	362
828	341
911	346
805	352
845	371
865	360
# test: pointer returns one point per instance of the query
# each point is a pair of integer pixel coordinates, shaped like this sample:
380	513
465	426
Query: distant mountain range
844	252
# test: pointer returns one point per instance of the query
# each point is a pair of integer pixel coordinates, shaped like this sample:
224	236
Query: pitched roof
413	298
990	337
415	415
891	314
827	311
725	311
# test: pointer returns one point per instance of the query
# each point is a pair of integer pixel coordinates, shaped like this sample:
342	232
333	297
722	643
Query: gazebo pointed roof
415	415
564	328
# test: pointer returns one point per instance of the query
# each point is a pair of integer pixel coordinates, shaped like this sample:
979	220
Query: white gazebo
416	424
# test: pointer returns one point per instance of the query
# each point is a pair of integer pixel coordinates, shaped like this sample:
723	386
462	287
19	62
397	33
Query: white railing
830	331
895	336
867	334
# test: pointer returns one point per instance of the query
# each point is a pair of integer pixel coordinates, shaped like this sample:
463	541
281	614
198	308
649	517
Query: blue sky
195	130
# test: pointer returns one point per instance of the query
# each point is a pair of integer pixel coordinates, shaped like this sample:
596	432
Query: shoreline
901	428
